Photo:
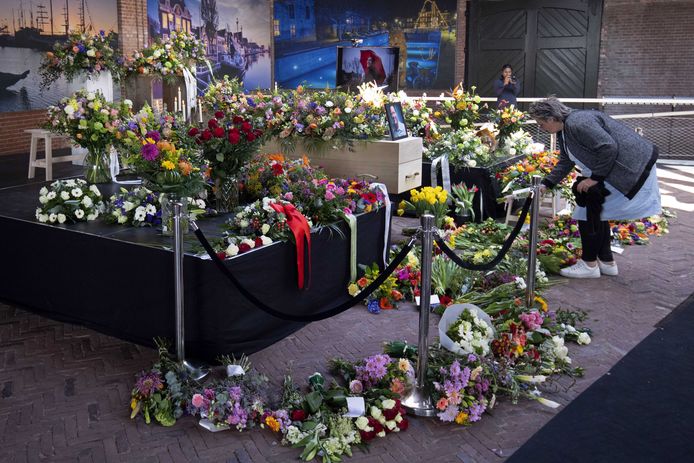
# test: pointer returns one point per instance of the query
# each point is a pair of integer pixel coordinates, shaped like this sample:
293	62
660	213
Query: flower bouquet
419	118
138	207
508	120
82	53
168	58
90	122
463	198
462	393
463	110
69	200
254	225
427	200
466	329
463	148
385	297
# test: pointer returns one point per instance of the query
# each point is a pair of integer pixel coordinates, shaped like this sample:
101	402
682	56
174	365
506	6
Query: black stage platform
119	280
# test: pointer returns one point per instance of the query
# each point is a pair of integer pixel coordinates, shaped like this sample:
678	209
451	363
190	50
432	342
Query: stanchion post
419	401
532	242
196	372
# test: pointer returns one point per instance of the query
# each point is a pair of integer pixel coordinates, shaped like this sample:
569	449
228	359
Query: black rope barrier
303	318
504	249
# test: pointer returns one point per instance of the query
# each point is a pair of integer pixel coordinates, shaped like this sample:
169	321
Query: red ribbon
300	229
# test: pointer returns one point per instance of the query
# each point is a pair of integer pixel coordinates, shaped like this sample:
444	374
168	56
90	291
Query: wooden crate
397	164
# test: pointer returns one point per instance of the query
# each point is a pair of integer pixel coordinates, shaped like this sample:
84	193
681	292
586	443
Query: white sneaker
608	269
580	270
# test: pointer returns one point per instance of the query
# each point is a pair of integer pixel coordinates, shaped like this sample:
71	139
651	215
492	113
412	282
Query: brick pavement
64	389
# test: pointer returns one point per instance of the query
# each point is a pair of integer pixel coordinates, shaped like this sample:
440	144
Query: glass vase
96	166
226	194
166	202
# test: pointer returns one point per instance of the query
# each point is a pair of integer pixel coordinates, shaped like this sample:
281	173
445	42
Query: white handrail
675	101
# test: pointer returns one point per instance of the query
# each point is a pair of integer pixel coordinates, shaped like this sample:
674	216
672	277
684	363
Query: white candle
200	109
179	97
175	105
275	87
183	110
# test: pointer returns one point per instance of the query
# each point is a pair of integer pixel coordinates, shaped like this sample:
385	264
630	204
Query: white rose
52	218
265	228
91	53
79	213
376	412
381	434
87	201
231	250
64	195
61	218
43	191
362	422
391	425
583	339
43	218
243	223
43	199
250	243
388	404
95	190
91	96
128	206
265	240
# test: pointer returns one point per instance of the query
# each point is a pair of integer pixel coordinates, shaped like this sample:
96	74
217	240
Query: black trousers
596	239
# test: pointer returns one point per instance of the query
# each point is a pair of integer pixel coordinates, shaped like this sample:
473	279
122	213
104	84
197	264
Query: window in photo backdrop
23	46
356	66
308	32
396	121
236	34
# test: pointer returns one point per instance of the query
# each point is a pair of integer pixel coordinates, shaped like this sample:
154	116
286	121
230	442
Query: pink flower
289	196
329	196
442	403
198	400
397	386
356	387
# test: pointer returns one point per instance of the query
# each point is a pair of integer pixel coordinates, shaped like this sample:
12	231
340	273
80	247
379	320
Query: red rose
402	410
219	115
258	242
243	247
250	136
237	119
222	255
445	300
258	133
391	413
193	131
403	424
234	137
277	169
212	123
246	126
367	436
298	415
374	423
218	132
206	135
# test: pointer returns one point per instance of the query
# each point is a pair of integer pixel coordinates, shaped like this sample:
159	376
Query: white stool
47	163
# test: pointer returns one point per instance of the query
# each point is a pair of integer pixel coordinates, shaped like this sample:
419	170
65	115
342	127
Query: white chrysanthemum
79	213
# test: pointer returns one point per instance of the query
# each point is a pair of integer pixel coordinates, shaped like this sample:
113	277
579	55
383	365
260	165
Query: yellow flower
133	404
353	289
542	302
272	423
404	365
168	165
461	418
401	212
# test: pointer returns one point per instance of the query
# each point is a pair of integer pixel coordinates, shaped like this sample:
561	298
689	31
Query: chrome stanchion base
419	403
197	371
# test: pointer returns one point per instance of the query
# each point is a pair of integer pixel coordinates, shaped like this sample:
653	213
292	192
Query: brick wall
647	48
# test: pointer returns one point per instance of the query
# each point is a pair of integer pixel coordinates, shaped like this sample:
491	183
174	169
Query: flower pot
96	167
462	219
167	201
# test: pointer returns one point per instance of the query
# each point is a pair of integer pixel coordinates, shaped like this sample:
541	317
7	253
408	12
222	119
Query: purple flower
356	387
148	383
235	393
154	135
149	152
449	414
472	358
476	411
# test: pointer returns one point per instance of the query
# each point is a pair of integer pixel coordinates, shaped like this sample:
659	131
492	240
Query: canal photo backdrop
308	32
236	34
27	31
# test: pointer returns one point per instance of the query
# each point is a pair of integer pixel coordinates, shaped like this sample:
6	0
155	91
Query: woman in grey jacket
610	155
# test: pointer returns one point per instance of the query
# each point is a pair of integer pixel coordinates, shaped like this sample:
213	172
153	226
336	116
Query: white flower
128	206
93	216
43	218
52	218
43	199
69	110
128	102
376	412
547	402
391	425
91	52
388	404
64	195
51	195
244	223
43	191
231	250
79	213
560	350
200	203
95	190
151	209
76	192
362	422
265	228
91	96
520	282
531	379
61	218
250	243
583	339
265	240
122	219
348	110
329	104
140	214
87	202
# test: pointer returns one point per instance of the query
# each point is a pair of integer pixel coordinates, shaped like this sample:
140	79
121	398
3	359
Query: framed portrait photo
396	121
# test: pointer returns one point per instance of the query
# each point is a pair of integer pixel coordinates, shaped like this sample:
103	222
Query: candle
275	87
183	110
179	97
200	109
175	105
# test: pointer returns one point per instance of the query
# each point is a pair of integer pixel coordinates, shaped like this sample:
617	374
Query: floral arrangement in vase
462	110
463	198
463	147
69	201
91	122
427	200
168	58
82	53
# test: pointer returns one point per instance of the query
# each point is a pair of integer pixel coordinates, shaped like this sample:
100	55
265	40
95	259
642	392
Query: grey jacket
612	151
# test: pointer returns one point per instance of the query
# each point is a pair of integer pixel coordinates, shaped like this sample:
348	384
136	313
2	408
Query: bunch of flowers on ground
69	201
470	333
520	175
385	297
638	231
82	53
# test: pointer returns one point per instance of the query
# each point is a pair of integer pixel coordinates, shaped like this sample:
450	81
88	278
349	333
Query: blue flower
373	306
